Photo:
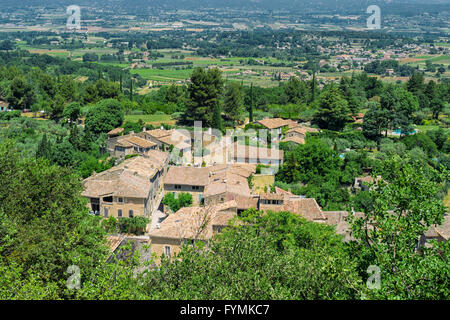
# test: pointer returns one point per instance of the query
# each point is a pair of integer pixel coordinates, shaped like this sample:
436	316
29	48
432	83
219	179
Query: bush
135	225
182	200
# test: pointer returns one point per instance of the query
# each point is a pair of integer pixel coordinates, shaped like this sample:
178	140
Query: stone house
128	189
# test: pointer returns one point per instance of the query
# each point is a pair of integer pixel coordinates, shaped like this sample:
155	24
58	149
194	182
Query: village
223	184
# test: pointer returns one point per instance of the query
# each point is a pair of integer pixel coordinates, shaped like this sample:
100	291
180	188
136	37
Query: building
211	184
189	225
183	140
362	183
277	124
298	134
120	146
128	189
3	106
243	154
305	207
187	180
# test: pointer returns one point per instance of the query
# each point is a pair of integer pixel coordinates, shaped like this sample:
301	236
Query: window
167	251
108	199
119	213
177	187
195	188
120	200
106	212
130	213
200	197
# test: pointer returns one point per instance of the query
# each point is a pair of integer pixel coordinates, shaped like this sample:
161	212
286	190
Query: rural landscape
224	150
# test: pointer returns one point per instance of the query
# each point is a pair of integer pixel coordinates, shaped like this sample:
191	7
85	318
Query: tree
262	256
250	109
204	91
233	106
333	112
183	200
387	236
376	120
20	94
104	116
400	104
217	122
44	148
72	111
296	91
45	227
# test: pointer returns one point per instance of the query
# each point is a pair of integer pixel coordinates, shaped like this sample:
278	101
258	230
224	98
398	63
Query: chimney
131	132
144	129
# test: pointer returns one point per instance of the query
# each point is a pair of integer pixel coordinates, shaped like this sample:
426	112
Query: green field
163	75
151	118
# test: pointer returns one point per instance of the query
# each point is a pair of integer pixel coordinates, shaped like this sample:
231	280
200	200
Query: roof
115	131
272	196
295	139
158	133
302	130
338	219
282	191
139	142
131	178
178	142
274	123
157	156
444	229
194	222
191	176
113	241
227	182
306	207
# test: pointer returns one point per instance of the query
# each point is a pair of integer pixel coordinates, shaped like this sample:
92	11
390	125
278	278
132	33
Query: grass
153	119
163	75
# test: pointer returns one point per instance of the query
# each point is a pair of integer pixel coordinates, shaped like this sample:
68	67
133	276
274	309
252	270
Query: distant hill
322	5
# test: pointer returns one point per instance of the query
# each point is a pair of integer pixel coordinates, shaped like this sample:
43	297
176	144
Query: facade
298	134
242	154
209	185
277	124
305	207
120	146
128	189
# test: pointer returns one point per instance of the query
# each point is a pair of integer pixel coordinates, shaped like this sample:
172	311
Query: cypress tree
250	111
217	117
313	88
131	89
44	148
